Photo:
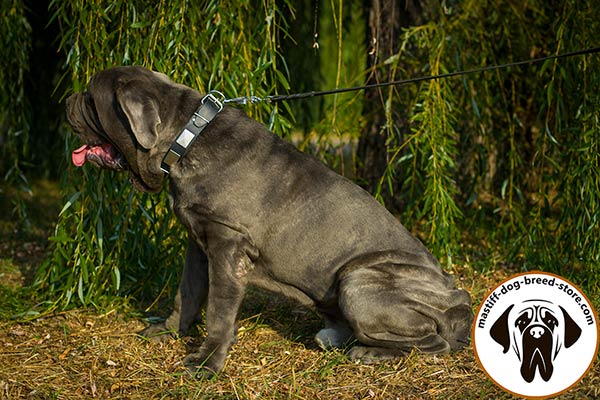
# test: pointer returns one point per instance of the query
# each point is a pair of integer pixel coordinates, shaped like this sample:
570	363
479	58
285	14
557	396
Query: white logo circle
535	334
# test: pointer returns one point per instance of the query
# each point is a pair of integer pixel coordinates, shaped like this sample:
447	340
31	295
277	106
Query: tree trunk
385	20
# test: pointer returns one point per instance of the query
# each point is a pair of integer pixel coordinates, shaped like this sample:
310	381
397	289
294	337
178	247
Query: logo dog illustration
537	330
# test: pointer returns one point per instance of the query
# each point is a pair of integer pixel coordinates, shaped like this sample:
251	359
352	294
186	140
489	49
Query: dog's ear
142	111
499	331
572	330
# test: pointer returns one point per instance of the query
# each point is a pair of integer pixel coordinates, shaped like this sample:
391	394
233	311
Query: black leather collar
207	111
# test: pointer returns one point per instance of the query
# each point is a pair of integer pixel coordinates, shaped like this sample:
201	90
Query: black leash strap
277	98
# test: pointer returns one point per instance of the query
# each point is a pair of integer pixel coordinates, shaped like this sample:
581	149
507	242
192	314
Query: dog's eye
549	319
522	322
524	319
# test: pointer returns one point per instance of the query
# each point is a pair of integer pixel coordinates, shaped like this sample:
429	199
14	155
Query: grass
83	354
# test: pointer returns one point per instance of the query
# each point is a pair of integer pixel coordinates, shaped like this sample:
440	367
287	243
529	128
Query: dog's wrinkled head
536	330
126	118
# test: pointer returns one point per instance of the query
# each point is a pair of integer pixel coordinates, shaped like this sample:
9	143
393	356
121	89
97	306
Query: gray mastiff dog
260	212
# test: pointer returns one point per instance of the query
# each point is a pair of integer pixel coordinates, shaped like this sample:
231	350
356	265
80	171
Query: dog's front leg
193	291
190	298
229	263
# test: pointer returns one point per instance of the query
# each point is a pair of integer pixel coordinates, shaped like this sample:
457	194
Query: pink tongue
78	156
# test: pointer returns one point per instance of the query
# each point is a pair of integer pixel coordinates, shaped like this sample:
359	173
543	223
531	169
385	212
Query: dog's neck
210	106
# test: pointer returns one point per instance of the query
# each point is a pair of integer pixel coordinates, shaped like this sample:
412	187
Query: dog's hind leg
190	298
394	308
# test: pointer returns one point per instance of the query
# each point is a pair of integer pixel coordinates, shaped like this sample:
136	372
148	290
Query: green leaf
69	203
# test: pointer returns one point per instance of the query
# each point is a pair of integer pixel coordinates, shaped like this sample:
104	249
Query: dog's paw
369	355
201	366
158	333
201	372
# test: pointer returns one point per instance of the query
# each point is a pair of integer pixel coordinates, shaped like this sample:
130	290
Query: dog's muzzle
104	155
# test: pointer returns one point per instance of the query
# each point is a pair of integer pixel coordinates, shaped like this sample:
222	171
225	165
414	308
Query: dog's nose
536	332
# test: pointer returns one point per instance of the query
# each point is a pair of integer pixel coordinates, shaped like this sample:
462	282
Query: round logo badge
535	335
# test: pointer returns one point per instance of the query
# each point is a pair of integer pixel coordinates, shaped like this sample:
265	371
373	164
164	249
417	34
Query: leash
212	103
277	98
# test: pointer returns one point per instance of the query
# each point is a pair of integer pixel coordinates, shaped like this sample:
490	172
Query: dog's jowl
259	212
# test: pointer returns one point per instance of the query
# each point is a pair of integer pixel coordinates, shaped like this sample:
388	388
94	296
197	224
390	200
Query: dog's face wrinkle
117	121
515	347
558	348
92	119
84	125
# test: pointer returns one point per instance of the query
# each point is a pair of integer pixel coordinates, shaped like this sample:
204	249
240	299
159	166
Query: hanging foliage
505	160
15	42
512	153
